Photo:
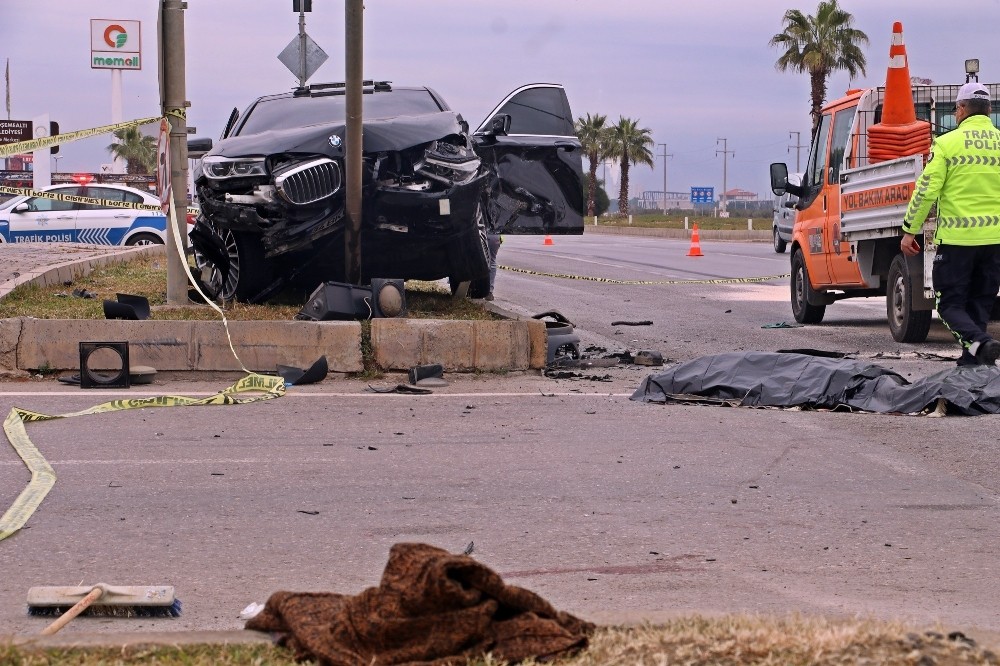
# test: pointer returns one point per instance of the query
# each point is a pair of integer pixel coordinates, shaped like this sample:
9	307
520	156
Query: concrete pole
354	24
665	155
725	163
174	107
798	149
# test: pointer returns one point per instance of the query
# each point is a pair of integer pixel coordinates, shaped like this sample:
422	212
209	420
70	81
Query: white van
784	216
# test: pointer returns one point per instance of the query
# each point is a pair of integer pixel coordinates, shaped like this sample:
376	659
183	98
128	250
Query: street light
57	158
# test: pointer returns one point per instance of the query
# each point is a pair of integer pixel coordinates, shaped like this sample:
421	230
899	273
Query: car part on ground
563	342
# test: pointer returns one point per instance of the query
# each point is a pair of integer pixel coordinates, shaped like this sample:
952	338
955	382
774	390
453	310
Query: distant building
654	200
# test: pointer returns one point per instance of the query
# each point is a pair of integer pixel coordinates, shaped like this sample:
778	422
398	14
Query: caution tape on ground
764	278
43	477
47	142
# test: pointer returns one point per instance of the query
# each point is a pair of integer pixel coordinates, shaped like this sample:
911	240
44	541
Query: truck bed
873	198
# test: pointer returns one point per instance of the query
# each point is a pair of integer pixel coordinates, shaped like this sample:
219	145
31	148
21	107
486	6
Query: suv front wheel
249	271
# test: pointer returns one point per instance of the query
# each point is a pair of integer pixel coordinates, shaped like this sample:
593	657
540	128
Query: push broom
101	599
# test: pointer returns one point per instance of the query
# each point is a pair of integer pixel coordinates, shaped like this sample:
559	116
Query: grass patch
148	277
738	640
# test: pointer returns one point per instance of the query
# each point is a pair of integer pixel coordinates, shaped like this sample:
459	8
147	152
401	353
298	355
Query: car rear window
289	112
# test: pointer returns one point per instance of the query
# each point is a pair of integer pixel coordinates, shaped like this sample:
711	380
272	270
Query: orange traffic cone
695	250
548	240
899	133
897	109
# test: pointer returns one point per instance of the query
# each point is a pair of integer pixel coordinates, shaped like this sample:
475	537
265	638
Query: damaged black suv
272	194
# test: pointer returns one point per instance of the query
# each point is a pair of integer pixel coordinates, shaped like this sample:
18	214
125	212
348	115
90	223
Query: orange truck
866	154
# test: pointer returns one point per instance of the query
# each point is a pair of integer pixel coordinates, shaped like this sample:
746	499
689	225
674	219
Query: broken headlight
448	163
219	168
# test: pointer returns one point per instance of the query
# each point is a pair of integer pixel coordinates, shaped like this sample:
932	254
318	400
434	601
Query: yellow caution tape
73	198
49	141
765	278
43	477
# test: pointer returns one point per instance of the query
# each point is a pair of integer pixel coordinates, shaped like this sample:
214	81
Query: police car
37	219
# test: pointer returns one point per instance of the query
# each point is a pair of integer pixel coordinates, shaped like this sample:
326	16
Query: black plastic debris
766	379
782	324
128	306
562	340
419	372
297	376
400	388
83	293
644	322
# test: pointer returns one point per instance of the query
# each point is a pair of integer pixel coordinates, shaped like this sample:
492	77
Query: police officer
963	177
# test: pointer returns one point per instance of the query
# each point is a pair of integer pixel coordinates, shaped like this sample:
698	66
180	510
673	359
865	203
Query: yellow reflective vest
963	178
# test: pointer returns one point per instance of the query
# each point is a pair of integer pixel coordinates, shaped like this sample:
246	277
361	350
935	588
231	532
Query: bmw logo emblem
335	141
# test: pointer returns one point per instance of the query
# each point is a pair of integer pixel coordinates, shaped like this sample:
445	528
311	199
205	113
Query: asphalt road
613	509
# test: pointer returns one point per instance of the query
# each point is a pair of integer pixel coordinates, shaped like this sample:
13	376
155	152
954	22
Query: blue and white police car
37	219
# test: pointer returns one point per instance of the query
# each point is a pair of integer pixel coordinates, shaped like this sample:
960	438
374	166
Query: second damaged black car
272	193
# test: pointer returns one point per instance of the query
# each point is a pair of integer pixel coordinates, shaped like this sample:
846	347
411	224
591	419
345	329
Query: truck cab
845	240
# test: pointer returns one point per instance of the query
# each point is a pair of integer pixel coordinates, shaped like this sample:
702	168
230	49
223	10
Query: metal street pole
174	108
725	163
302	46
354	17
665	155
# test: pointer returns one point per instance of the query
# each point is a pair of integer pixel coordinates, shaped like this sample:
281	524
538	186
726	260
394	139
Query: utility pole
798	148
174	105
725	161
354	24
665	155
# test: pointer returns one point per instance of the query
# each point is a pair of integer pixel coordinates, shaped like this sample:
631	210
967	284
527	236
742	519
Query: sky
693	73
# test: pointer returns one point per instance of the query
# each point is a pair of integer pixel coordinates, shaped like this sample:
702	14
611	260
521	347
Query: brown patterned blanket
430	608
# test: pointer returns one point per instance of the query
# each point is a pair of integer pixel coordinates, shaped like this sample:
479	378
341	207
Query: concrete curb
28	344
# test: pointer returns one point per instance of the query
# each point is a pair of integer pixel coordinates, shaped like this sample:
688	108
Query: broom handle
77	608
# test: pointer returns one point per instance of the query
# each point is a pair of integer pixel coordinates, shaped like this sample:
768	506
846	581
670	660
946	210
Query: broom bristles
97	609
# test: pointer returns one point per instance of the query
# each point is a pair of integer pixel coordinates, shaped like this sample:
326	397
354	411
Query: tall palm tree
629	144
137	149
820	45
593	137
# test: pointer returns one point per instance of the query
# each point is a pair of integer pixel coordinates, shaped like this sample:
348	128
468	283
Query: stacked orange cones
899	133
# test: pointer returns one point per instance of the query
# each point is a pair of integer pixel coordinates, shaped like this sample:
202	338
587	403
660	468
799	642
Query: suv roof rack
340	88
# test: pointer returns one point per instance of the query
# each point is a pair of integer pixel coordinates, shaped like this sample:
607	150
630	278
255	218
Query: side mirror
22	207
198	147
500	125
779	178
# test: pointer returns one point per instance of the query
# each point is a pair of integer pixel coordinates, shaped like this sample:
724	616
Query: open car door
536	161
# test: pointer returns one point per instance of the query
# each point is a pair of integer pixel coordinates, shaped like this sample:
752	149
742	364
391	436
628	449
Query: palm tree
593	137
820	45
137	149
629	144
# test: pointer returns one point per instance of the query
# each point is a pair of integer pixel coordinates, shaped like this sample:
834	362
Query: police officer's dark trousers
966	279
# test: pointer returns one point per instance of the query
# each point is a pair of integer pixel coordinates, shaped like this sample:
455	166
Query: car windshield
288	112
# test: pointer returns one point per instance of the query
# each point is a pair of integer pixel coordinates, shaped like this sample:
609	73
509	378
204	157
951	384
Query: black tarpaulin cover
766	379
